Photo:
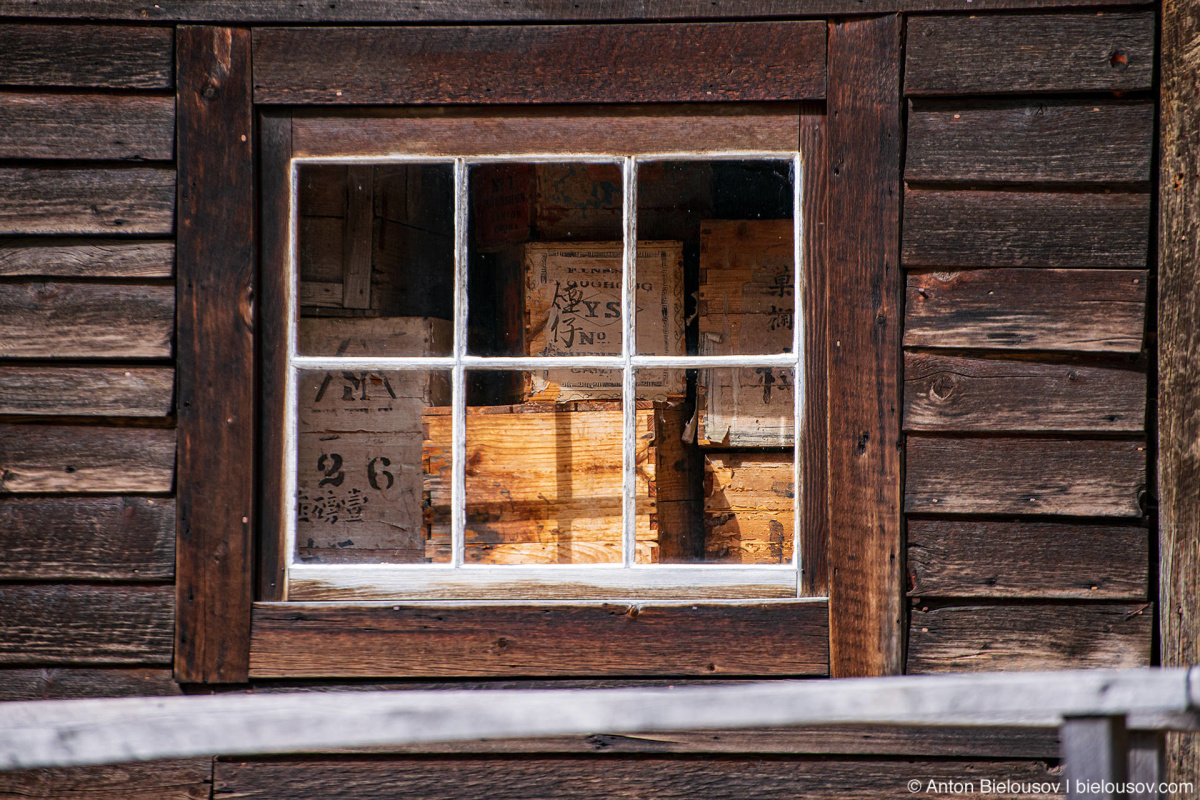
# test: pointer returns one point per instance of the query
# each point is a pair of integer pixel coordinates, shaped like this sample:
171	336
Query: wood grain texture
86	258
1085	52
1085	310
102	56
42	200
1024	229
963	394
1033	637
181	779
1069	477
1053	560
688	62
74	320
565	778
87	126
315	640
103	538
85	624
215	298
73	683
866	634
87	391
1030	141
77	459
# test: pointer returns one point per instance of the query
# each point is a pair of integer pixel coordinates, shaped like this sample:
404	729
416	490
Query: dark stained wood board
323	640
72	459
87	391
44	200
1080	52
959	393
101	56
87	126
101	538
1066	477
863	150
215	262
85	624
1025	229
1029	637
1027	141
72	683
1025	559
74	320
183	779
86	258
1086	310
687	62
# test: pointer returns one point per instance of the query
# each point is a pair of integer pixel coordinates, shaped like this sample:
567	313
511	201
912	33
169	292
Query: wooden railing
1111	722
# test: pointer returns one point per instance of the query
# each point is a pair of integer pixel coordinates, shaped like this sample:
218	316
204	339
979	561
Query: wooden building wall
1028	384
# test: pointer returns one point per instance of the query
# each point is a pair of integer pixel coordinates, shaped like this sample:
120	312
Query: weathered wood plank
86	258
85	624
863	129
42	200
87	126
87	391
1070	477
565	778
215	296
1029	141
297	640
1086	310
182	779
1085	52
74	320
689	62
1034	637
104	538
956	393
1025	229
956	558
70	459
75	683
102	56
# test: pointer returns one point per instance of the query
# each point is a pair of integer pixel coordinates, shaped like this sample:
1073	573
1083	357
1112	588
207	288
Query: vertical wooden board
678	485
87	258
87	391
68	459
87	126
103	56
182	779
866	633
130	200
215	290
356	244
989	53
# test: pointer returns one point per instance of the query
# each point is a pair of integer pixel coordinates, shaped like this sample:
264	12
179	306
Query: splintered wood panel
86	624
865	311
690	62
1084	52
1029	637
73	460
87	391
99	126
103	56
1028	141
954	393
296	640
1096	311
749	507
1093	478
729	777
67	683
188	779
103	538
56	201
1022	229
86	258
77	320
959	558
572	130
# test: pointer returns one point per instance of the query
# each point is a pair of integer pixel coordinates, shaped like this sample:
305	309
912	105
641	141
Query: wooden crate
749	510
359	476
747	301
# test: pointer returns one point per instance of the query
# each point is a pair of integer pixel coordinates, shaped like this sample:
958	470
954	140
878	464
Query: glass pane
376	259
363	480
732	221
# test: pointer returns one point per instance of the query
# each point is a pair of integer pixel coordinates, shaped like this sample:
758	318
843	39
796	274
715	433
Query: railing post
1095	754
1147	763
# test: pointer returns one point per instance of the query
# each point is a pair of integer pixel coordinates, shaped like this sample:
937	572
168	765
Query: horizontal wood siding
87	391
180	779
86	258
94	126
78	459
99	56
44	200
74	683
